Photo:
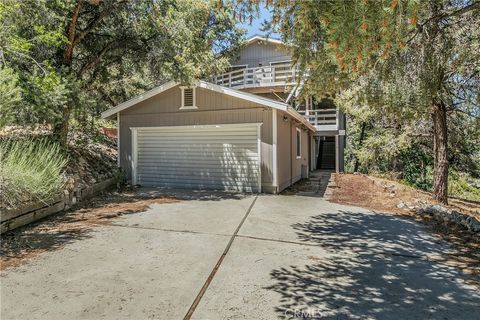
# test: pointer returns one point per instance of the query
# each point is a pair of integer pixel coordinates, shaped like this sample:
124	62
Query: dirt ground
54	232
383	195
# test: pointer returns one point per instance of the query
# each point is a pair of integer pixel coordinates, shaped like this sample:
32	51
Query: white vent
188	98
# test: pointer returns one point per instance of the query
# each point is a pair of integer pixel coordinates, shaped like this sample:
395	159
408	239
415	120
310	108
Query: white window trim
183	107
298	147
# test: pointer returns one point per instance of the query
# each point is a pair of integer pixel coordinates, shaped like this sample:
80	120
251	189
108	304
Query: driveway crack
204	288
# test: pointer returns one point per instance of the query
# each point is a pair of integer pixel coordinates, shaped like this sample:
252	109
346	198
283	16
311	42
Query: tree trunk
360	141
440	169
60	130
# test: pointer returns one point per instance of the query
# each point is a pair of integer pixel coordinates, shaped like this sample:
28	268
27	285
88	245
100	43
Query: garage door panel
206	167
219	150
198	156
240	175
217	157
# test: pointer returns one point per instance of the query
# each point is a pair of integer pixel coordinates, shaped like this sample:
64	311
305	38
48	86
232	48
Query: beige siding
290	168
262	53
213	108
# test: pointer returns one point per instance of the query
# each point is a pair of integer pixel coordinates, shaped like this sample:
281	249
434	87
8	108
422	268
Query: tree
405	59
75	57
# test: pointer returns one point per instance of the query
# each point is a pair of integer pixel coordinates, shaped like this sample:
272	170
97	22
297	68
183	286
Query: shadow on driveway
54	232
381	267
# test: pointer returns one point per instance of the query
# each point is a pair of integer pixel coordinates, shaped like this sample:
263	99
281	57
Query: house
244	130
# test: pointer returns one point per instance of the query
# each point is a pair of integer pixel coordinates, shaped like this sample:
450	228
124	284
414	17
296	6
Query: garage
220	157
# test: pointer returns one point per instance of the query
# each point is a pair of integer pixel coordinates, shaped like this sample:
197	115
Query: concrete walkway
293	256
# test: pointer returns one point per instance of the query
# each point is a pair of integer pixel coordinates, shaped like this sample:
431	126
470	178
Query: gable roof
213	87
263	38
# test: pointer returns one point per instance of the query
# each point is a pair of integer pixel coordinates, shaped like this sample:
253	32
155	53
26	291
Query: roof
213	87
263	38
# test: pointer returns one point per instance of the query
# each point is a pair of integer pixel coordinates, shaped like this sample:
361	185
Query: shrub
417	168
463	186
30	170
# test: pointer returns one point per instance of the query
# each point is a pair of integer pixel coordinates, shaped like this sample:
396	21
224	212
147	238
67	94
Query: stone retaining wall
14	218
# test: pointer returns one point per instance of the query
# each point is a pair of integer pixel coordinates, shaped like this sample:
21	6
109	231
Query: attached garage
221	157
210	137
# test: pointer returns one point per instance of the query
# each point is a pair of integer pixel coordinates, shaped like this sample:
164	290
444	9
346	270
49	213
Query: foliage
463	186
10	95
402	66
74	58
30	170
417	167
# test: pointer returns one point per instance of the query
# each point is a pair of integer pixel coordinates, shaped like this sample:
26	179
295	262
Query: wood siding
290	168
260	52
213	108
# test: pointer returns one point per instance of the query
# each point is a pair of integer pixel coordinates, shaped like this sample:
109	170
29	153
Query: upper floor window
188	98
299	143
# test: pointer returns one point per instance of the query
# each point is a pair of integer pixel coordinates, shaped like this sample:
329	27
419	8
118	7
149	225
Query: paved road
293	256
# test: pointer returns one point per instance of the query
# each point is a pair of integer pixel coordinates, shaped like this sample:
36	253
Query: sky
254	28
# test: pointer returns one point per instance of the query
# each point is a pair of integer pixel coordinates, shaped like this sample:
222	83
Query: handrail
321	117
258	76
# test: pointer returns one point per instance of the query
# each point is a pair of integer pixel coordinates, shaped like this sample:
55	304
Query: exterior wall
261	52
290	168
213	108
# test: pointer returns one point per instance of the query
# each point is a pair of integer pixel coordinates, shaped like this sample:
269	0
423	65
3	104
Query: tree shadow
191	194
58	230
377	266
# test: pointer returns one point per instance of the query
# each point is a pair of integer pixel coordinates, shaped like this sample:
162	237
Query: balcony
269	76
322	119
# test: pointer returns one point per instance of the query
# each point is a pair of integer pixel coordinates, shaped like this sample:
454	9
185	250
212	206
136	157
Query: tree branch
87	66
454	13
27	56
71	33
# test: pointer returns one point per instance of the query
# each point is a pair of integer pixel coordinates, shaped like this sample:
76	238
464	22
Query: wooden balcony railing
322	119
284	74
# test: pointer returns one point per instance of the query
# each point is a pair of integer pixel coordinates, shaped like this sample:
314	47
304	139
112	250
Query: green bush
417	168
462	186
30	170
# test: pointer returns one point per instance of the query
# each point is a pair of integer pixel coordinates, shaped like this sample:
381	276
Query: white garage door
223	157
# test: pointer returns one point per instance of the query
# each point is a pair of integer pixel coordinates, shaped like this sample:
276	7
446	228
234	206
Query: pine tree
403	58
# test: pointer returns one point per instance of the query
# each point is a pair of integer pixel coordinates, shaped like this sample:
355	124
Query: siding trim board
274	149
199	126
118	140
134	155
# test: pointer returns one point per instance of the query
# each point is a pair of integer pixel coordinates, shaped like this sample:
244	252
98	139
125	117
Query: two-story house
246	130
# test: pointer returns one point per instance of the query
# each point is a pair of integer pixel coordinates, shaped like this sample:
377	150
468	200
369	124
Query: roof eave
202	84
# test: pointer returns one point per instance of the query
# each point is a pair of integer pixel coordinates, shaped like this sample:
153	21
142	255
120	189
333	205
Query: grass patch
30	170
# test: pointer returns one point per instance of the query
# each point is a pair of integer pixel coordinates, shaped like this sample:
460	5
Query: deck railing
322	118
283	74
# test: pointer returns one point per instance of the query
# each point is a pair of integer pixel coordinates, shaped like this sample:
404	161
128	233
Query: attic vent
188	98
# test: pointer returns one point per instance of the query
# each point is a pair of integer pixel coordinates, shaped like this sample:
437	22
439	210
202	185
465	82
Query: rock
401	205
443	214
433	209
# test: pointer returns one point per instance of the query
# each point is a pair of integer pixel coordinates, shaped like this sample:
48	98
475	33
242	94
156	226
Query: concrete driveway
292	257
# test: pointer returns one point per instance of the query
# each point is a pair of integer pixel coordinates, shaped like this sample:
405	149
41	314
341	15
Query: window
188	98
299	143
